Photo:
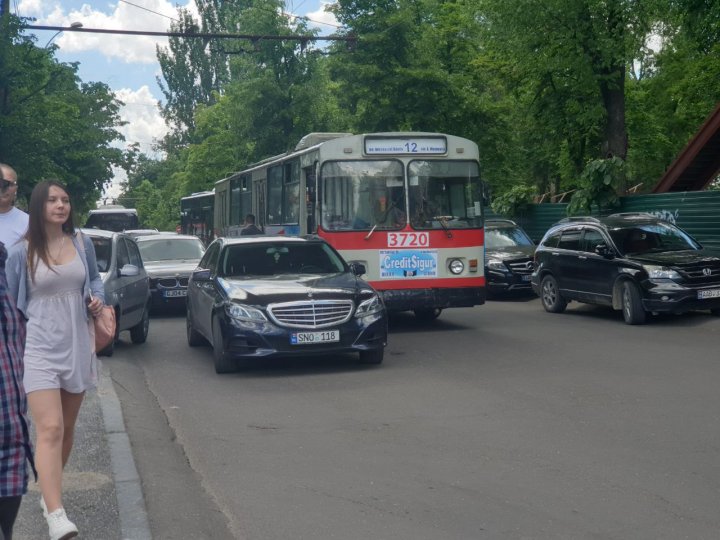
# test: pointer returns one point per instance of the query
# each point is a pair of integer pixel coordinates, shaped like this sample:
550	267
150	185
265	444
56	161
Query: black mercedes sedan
256	296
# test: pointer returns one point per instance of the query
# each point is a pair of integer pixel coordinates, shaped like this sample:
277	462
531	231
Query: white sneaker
61	528
43	506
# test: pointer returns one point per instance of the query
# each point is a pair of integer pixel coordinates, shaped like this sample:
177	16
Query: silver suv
127	287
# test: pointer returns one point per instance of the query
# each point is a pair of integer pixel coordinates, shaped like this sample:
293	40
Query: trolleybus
197	215
407	206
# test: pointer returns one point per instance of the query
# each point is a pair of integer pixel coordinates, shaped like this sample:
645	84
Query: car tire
427	315
374	356
550	296
194	338
139	332
632	308
223	362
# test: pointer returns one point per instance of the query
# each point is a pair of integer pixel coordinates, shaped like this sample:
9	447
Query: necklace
57	257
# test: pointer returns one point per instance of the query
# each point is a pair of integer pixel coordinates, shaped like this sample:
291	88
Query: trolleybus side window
283	204
359	195
445	194
240	199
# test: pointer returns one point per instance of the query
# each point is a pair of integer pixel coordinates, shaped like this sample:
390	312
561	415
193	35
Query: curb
134	523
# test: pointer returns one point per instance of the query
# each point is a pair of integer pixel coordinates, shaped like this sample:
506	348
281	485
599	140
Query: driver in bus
383	209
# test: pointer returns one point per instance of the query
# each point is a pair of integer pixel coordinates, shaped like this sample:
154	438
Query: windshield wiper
367	237
443	224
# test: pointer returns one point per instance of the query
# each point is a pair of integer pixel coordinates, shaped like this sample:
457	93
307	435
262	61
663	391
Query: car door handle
555	253
582	257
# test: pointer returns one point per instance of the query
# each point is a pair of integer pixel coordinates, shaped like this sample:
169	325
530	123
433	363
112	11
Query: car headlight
661	272
369	307
456	266
241	312
496	264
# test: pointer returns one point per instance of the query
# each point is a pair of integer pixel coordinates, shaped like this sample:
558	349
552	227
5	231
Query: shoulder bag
104	323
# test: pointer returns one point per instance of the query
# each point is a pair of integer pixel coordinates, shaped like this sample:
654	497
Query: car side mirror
357	268
604	251
201	275
129	270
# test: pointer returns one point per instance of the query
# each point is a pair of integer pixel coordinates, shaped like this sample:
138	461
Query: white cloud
144	126
321	16
130	49
144	123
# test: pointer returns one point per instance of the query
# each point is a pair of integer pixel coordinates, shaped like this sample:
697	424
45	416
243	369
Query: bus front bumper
411	299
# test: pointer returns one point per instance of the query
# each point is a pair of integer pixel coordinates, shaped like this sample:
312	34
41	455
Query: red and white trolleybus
408	206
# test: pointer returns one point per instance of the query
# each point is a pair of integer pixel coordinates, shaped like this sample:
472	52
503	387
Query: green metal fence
698	212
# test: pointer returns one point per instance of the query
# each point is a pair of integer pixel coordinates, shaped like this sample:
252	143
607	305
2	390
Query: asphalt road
497	422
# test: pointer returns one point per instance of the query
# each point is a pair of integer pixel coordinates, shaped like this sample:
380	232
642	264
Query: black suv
508	257
633	262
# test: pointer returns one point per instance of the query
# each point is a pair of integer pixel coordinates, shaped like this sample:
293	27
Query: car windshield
506	237
270	259
652	237
171	249
103	252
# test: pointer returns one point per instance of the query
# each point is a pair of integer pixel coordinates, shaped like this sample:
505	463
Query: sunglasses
5	184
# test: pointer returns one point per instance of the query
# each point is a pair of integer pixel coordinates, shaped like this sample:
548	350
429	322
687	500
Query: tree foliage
51	124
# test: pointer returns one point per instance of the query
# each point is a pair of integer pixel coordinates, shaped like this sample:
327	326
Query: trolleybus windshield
444	194
362	195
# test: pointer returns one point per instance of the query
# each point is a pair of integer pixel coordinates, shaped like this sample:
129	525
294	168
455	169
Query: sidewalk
102	491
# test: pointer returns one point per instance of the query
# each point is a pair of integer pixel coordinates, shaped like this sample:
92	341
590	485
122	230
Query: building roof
698	163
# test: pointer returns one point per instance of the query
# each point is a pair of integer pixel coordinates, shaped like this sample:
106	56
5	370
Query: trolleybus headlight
369	307
241	312
456	266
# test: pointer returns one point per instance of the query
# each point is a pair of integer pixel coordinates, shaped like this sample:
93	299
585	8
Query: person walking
55	286
13	221
250	228
15	449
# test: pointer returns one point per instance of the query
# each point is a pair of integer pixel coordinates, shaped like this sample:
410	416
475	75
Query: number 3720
409	239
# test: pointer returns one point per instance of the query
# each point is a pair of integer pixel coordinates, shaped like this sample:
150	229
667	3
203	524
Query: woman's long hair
36	236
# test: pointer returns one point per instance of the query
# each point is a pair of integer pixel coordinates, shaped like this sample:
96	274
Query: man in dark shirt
250	228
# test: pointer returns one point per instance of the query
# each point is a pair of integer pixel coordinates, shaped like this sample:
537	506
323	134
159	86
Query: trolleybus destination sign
414	145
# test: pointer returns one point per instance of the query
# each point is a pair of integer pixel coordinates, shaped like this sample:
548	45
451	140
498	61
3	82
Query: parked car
257	297
127	288
508	257
169	259
633	262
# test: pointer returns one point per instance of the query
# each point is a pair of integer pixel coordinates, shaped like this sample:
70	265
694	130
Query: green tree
573	56
51	124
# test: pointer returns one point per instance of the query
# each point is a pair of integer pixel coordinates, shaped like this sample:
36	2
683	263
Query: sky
127	64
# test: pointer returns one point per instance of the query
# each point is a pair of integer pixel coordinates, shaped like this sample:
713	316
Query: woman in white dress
56	285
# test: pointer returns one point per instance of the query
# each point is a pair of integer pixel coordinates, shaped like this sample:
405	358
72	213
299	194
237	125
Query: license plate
309	338
175	293
526	277
709	293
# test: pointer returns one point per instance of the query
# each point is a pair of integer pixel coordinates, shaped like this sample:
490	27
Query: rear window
112	221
